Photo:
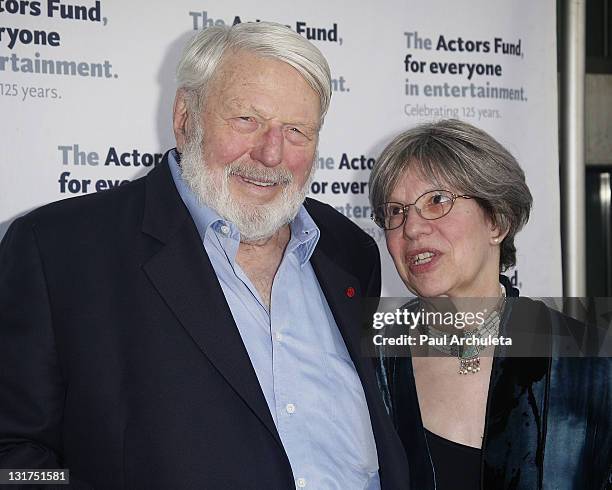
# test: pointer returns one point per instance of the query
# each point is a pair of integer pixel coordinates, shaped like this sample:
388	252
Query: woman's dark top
457	467
549	417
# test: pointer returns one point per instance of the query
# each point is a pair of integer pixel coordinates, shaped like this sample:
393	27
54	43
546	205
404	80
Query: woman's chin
427	290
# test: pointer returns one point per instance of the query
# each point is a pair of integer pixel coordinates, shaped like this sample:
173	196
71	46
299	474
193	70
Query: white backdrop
86	102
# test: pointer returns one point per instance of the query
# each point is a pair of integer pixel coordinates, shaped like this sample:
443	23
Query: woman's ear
497	235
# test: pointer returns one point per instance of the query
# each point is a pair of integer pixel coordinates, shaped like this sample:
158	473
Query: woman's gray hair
452	153
204	54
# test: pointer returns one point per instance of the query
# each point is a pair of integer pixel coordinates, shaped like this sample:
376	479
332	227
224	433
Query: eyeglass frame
405	208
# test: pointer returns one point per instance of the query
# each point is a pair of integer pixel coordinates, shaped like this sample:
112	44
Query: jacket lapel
348	313
183	275
516	417
335	282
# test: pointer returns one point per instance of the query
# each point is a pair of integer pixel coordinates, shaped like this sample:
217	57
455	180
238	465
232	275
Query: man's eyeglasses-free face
430	205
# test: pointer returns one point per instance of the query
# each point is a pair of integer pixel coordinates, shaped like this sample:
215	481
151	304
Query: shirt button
291	409
278	336
225	230
301	482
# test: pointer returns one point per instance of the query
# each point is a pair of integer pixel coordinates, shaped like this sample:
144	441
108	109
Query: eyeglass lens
431	205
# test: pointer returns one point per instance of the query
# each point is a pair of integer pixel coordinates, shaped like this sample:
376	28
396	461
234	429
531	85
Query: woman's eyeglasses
431	205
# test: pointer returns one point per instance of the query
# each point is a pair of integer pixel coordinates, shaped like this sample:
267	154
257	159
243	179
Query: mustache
263	174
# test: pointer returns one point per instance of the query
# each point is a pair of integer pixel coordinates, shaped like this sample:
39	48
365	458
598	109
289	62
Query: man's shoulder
99	212
351	248
332	222
103	202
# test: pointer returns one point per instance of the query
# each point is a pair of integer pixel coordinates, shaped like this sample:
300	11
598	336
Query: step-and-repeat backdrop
86	91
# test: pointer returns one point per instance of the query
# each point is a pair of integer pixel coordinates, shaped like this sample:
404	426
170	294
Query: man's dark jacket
120	359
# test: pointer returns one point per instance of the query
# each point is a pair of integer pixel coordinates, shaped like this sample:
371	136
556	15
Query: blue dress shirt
305	372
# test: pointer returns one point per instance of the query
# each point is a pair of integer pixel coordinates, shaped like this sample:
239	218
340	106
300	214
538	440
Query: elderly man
198	328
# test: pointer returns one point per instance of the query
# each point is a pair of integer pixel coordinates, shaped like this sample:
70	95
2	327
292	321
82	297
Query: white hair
203	55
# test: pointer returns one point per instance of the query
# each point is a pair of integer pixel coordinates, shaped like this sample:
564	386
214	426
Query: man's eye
295	135
244	123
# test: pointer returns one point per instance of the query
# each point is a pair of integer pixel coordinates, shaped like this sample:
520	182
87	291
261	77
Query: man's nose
269	149
415	226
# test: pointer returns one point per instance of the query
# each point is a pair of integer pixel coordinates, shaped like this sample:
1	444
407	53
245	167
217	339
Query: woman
451	200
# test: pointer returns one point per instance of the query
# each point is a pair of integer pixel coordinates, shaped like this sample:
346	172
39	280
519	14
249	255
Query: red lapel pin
350	292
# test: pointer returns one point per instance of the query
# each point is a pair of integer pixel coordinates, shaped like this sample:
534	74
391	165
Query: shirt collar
304	236
304	232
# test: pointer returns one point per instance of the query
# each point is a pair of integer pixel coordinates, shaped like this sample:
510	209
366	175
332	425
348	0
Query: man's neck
261	259
280	238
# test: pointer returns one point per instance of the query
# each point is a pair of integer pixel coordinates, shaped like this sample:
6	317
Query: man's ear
180	119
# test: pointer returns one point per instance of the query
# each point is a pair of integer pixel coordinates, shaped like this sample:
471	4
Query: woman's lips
423	260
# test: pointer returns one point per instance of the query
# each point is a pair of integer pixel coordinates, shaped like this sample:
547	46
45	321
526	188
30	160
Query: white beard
211	186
